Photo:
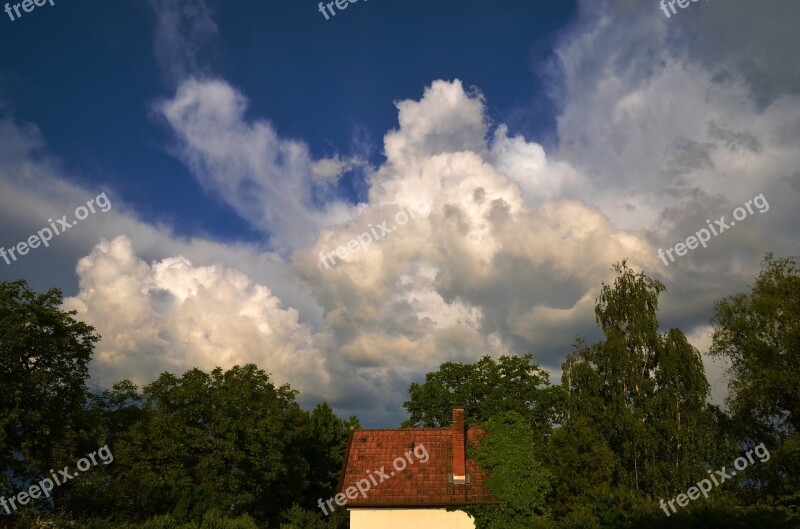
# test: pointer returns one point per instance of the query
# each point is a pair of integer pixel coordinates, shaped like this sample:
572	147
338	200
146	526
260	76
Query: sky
350	199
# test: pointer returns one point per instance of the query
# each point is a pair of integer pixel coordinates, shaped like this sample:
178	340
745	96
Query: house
406	478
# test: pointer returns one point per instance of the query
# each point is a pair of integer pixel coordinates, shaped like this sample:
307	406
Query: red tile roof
419	484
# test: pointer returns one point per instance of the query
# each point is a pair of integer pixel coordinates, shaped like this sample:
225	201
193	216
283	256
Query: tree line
630	424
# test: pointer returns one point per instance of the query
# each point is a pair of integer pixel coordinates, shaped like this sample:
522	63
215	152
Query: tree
644	392
107	420
516	475
582	456
485	389
44	357
227	440
230	441
298	518
325	448
758	333
682	423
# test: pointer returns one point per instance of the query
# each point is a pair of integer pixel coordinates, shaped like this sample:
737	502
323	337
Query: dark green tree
485	389
44	354
325	448
299	518
643	392
758	333
584	465
685	428
107	420
227	440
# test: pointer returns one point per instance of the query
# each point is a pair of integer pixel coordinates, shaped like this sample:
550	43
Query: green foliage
107	419
485	389
585	465
326	443
214	520
758	333
517	477
228	440
211	520
44	354
643	393
298	518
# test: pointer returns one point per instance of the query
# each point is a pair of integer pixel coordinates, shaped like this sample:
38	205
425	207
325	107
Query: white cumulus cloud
172	315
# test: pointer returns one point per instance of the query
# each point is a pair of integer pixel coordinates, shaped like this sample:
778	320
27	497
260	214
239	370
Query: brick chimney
459	448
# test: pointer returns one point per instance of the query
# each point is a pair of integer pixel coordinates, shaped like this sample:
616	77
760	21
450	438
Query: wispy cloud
185	30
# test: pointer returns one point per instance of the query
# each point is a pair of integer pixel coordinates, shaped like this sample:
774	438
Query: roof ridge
400	429
444	428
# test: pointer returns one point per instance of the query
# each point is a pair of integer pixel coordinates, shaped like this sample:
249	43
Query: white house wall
409	518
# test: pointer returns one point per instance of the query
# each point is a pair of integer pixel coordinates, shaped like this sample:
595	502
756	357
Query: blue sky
315	80
544	140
